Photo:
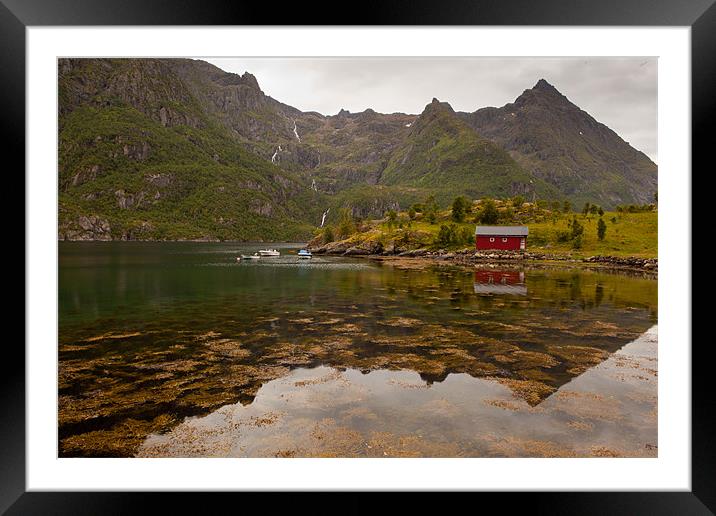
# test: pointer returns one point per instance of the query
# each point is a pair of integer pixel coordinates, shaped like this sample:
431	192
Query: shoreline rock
470	256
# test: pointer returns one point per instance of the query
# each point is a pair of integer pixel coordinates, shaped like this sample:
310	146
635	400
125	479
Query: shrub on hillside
328	235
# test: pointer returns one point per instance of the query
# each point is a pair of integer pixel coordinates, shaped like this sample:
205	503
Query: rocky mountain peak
543	94
558	142
249	80
435	105
543	85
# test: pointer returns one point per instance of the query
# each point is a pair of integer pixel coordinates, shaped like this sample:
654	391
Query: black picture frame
16	15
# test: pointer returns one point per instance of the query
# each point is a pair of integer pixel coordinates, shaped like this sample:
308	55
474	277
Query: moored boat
269	252
305	253
248	257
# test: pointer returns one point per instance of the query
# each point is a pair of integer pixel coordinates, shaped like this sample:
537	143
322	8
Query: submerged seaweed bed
169	349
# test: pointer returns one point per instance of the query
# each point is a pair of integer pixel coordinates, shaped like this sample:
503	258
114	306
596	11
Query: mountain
558	142
441	153
145	154
180	149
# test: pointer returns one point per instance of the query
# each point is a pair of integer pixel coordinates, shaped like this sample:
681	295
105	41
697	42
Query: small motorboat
305	253
269	252
248	257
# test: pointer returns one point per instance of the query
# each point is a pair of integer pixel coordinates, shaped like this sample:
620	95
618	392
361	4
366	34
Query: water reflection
496	281
324	411
146	341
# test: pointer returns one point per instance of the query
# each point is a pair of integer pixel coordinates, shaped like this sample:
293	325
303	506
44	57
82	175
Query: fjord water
178	349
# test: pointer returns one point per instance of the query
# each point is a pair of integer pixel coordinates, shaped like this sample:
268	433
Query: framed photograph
421	252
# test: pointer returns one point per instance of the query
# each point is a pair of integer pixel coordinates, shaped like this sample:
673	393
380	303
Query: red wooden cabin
507	238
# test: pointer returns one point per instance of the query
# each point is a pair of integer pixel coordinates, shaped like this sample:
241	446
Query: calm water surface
177	349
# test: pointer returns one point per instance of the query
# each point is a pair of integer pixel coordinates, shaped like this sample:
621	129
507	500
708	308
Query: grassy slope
634	234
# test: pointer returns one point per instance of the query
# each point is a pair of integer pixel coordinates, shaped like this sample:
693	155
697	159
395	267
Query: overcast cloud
619	92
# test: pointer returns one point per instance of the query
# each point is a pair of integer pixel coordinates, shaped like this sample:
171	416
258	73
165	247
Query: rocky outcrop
346	248
261	207
126	201
85	175
87	228
629	261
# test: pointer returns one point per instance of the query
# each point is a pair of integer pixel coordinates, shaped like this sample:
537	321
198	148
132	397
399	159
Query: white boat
269	252
304	254
248	257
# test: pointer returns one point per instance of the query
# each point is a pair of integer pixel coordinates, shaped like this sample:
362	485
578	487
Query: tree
518	201
346	224
446	235
411	213
430	208
601	229
577	229
567	207
585	210
601	211
430	203
392	216
459	208
489	213
593	209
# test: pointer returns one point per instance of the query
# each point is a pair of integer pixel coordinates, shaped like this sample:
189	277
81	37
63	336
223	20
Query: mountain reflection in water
152	334
326	412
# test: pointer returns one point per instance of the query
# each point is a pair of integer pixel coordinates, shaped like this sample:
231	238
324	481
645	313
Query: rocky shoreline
470	256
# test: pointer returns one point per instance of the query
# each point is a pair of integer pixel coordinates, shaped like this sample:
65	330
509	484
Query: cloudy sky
619	92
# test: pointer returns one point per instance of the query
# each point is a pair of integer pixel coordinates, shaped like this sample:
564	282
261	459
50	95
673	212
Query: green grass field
627	234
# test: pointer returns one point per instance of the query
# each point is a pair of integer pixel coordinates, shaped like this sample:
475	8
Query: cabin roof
502	231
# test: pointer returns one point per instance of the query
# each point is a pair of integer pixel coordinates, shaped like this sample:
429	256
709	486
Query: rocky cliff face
558	142
148	85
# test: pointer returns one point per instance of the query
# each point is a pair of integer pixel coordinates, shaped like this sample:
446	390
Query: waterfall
323	219
313	185
273	158
295	131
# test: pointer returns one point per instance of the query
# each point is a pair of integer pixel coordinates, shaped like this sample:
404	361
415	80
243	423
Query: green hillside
123	175
446	156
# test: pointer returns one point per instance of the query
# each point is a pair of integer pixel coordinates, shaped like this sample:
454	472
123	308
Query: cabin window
492	239
504	239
